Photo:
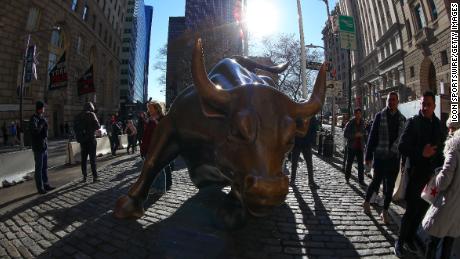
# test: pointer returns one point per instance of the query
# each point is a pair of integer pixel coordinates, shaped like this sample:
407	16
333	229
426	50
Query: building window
100	30
74	5
124	81
408	30
105	36
125	49
129	19
124	61
85	13
444	59
433	10
412	72
80	47
94	22
124	71
127	31
419	17
126	39
32	19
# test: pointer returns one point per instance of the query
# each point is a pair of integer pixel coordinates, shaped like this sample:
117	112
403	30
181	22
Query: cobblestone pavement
76	222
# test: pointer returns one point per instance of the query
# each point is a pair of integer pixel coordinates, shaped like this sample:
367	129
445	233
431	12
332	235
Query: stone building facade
425	31
378	61
89	33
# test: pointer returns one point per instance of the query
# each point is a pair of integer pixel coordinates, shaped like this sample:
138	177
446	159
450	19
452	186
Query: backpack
79	127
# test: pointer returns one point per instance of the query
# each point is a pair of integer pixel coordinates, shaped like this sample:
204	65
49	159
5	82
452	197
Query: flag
86	82
31	67
58	74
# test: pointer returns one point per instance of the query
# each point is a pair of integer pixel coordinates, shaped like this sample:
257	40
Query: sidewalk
75	221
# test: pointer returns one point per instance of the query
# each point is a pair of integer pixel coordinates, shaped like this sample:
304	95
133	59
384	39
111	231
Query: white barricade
103	148
16	165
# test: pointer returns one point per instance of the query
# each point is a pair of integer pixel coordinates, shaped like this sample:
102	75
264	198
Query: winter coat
310	137
130	129
418	132
39	133
351	129
149	128
442	218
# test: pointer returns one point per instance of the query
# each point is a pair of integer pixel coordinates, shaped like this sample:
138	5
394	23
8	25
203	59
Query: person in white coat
441	221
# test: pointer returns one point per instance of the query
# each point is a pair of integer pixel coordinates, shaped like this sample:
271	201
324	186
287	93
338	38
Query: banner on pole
31	68
86	82
58	74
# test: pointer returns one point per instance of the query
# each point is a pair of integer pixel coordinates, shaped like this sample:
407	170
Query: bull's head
261	125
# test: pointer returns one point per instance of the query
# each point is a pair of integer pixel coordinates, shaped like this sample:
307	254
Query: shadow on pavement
320	228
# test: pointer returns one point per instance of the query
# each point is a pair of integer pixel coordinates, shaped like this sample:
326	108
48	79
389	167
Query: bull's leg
162	150
232	212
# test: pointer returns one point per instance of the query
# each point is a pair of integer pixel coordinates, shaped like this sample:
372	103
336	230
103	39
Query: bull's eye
244	128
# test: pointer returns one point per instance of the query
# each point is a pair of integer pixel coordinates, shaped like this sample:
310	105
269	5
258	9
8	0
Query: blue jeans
41	169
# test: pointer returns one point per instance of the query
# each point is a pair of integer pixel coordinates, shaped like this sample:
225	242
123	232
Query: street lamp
302	52
21	89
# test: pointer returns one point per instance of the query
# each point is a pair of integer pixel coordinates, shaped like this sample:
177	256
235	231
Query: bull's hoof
128	208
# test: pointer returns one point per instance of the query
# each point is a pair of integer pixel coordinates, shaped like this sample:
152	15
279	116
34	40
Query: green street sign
346	24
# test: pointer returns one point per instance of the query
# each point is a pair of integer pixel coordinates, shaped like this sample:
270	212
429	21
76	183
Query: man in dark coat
382	150
354	135
303	145
39	139
421	142
89	124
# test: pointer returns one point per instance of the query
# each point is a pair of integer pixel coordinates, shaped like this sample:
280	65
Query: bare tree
285	48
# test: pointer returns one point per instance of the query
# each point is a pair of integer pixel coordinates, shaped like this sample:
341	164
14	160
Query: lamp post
302	52
21	88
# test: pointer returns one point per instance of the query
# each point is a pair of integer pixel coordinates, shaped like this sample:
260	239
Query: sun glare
261	17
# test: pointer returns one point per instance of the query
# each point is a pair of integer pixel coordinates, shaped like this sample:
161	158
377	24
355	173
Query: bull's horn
205	87
313	105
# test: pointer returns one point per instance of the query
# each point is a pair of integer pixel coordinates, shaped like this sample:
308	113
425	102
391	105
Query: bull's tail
252	65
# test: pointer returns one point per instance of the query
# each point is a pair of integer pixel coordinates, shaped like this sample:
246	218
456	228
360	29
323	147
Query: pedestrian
155	112
421	142
115	132
5	134
85	126
354	135
140	127
132	136
382	153
441	220
13	133
303	145
39	138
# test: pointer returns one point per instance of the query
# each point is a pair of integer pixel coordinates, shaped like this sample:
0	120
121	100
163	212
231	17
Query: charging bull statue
232	128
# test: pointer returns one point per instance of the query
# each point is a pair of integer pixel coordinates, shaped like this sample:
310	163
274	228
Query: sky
269	17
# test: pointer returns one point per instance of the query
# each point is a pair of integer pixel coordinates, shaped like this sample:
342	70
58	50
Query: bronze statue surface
232	128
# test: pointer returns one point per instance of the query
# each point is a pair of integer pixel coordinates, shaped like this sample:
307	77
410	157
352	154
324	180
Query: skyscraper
218	23
148	22
134	56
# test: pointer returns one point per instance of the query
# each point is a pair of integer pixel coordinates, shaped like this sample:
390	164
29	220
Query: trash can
328	145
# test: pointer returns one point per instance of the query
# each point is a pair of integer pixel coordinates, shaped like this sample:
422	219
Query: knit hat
451	124
39	105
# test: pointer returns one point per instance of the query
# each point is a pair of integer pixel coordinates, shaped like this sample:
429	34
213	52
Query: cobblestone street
76	221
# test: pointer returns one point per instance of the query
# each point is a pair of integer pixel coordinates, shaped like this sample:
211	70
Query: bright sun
261	17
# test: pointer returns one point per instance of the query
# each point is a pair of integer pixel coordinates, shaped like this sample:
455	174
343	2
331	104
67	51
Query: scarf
383	148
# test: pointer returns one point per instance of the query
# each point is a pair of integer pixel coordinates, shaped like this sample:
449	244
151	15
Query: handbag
431	192
399	193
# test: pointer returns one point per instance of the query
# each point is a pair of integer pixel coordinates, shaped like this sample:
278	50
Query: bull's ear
302	126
